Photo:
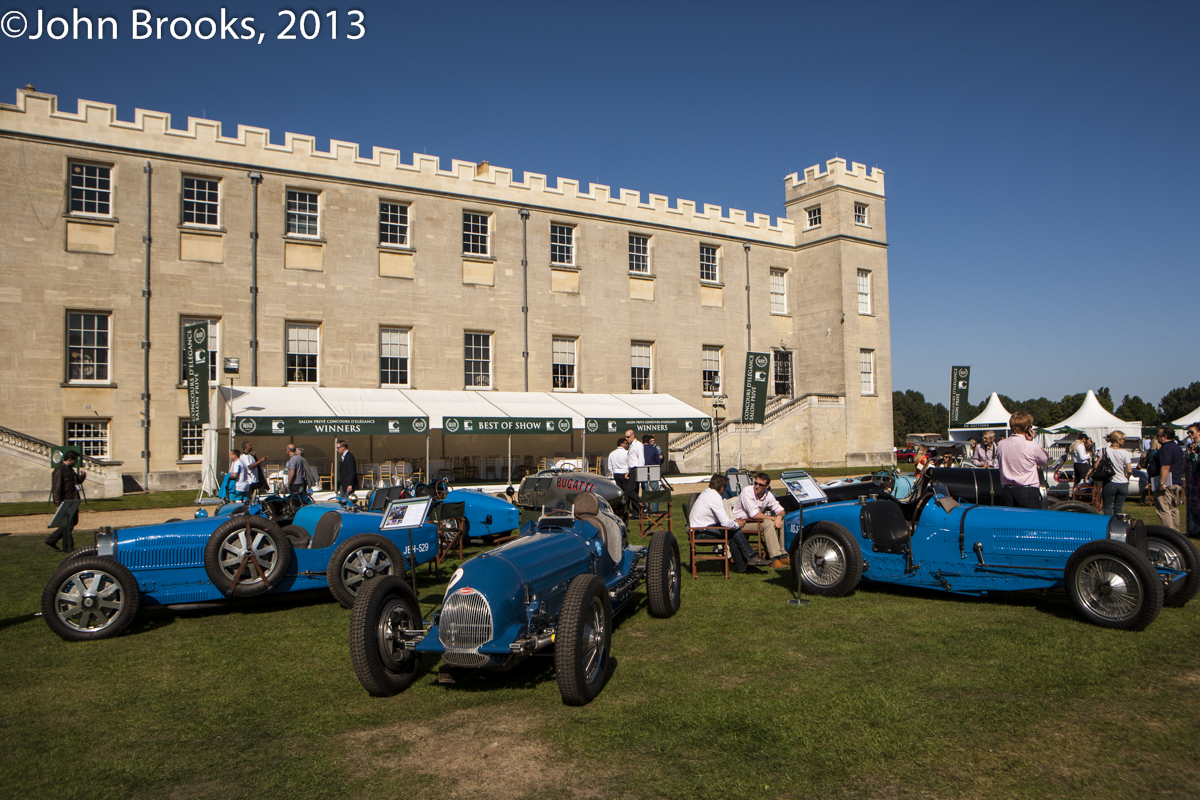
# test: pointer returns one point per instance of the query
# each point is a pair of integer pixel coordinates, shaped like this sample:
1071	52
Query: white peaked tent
1188	419
993	417
1092	419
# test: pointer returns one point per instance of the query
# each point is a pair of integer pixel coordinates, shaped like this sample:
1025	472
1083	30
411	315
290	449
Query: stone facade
340	280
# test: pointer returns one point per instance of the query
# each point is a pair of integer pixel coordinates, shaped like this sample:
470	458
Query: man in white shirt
708	511
253	463
752	506
618	462
637	458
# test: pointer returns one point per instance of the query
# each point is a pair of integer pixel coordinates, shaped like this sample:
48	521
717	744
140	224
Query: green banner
960	384
754	388
195	349
333	426
642	426
506	425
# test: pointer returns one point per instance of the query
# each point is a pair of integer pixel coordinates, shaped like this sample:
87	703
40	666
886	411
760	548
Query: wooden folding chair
706	538
651	521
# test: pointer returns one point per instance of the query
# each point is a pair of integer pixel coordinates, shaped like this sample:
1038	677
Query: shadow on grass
156	617
1052	602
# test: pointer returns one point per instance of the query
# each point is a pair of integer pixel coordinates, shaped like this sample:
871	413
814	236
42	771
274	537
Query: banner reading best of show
195	349
336	426
506	425
754	392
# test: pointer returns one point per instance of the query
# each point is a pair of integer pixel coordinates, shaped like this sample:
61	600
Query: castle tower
842	317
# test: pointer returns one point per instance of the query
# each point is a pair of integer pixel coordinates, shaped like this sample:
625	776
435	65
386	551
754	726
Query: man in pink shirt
1020	459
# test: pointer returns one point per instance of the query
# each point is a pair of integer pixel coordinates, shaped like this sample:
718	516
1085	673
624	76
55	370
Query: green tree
1178	402
1135	408
1104	395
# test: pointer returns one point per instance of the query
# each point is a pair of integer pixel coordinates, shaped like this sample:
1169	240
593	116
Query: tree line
912	413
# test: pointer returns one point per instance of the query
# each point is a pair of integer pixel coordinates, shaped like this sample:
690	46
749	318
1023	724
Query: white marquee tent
1093	420
1188	419
993	417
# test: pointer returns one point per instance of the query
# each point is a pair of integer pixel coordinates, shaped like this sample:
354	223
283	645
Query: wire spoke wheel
823	562
1109	587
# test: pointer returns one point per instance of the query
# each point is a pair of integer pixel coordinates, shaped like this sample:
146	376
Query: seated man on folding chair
709	512
752	506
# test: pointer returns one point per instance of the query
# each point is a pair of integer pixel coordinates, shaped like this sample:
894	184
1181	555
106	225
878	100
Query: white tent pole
337	463
427	432
509	458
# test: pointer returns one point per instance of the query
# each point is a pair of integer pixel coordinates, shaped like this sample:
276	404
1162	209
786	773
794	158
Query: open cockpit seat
328	527
884	524
587	509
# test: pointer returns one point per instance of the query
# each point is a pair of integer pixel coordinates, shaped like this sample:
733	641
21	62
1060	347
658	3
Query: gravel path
91	520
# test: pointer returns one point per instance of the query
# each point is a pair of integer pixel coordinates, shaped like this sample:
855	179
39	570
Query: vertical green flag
960	384
195	349
754	388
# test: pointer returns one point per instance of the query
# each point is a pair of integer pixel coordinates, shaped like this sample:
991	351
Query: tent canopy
305	410
1093	420
1188	419
993	417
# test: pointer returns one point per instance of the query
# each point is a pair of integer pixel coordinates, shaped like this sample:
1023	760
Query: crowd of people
1173	469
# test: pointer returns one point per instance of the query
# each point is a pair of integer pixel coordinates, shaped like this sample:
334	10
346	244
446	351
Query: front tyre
357	560
1169	548
828	562
89	598
583	640
384	609
1113	585
662	575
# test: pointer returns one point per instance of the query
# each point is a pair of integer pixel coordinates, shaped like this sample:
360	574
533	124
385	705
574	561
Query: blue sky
1041	159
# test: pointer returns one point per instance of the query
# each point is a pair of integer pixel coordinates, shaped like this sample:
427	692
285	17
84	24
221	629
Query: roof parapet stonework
835	174
37	114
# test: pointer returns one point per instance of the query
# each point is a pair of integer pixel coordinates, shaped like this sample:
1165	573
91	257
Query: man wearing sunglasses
753	505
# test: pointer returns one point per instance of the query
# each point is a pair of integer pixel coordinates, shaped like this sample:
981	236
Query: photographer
64	485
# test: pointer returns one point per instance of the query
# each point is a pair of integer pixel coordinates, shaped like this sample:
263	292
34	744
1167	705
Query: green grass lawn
888	693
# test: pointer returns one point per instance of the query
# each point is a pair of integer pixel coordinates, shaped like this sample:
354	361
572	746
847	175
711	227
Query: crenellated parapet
835	174
37	114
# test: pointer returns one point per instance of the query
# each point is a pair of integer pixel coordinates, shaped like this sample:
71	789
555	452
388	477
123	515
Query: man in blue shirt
1169	492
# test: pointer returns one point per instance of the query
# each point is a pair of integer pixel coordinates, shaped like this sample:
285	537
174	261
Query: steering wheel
441	488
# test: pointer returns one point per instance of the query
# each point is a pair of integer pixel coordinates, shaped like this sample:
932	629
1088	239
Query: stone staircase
25	470
691	452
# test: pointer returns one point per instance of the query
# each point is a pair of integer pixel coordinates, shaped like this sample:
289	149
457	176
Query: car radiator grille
465	624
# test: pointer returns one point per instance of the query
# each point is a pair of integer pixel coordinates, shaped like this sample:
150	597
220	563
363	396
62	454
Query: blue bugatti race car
557	585
278	544
948	536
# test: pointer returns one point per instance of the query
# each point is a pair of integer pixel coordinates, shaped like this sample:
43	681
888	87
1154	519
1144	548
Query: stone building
372	271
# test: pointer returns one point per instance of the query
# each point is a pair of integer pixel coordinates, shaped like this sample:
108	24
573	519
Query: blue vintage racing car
948	536
557	585
278	544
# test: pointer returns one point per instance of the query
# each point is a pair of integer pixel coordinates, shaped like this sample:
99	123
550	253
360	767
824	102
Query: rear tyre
1076	506
385	608
583	640
89	598
1169	548
228	547
662	575
1113	585
357	560
828	561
